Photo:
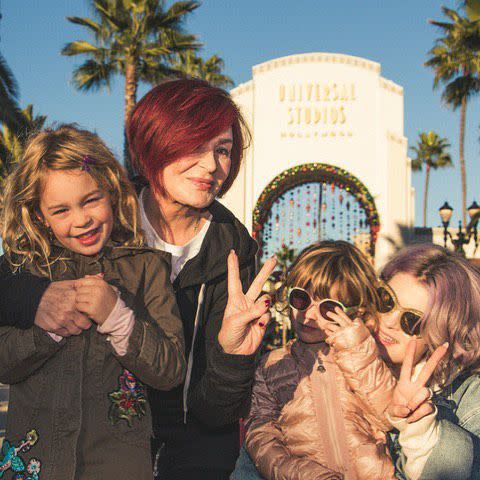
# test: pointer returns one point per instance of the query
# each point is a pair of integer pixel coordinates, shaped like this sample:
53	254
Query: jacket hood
225	233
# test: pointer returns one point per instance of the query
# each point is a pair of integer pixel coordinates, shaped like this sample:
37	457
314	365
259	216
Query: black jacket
220	383
19	297
207	445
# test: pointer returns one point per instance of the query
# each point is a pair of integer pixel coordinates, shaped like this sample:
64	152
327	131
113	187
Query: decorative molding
393	137
317	58
242	88
391	86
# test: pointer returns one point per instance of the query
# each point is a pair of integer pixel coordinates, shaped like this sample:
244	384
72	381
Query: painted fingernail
261	324
267	303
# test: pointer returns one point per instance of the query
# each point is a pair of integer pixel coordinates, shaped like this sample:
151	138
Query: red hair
177	117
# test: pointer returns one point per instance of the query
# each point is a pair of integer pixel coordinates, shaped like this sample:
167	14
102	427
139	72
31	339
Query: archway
311	202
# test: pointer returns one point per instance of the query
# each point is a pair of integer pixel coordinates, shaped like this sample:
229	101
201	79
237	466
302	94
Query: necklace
195	228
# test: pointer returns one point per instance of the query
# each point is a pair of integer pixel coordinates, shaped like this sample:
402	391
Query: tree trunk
463	115
131	83
425	195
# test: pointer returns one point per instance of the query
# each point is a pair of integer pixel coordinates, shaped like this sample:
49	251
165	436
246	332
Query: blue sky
245	33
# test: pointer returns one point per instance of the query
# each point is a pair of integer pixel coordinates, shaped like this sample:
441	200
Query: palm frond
112	14
174	18
460	88
88	23
80	47
431	150
7	79
93	75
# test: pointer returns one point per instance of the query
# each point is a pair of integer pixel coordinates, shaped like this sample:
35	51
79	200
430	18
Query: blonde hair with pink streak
26	239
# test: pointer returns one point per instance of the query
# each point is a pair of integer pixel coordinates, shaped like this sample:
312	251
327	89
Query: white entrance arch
332	109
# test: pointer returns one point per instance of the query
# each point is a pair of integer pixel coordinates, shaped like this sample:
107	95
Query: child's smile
89	238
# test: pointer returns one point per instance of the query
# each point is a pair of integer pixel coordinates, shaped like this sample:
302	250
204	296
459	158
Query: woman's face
195	180
411	294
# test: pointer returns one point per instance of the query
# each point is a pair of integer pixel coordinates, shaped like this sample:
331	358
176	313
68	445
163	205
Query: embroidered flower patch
128	402
13	461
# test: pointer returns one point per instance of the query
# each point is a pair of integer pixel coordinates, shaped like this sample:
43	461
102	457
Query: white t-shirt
180	254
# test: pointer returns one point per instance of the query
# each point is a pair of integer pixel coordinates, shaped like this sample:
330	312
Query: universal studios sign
316	109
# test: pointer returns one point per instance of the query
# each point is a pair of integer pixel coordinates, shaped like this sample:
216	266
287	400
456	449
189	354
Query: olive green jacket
77	410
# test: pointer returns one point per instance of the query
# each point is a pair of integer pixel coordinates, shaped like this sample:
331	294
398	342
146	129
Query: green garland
320	172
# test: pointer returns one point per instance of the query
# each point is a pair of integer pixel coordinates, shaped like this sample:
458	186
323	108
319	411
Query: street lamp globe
473	209
445	212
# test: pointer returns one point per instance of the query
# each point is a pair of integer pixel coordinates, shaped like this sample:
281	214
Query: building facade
328	155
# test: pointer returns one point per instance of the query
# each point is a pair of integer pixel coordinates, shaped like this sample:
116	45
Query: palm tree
136	39
210	70
455	59
431	152
9	111
472	9
12	141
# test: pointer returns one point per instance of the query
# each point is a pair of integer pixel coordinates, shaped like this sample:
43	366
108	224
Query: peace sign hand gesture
246	315
411	398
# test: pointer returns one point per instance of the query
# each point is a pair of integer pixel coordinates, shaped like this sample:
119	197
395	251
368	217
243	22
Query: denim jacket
456	456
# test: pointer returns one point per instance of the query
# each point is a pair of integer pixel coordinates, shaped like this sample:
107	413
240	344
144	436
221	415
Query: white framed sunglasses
299	299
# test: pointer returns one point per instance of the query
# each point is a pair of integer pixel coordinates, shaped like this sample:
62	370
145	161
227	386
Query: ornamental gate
313	202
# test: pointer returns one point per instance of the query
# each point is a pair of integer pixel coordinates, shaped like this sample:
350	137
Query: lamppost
462	238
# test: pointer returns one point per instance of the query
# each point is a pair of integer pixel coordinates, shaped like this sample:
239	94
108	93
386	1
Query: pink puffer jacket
305	422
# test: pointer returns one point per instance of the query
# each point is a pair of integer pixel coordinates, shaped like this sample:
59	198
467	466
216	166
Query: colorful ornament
128	402
13	461
349	189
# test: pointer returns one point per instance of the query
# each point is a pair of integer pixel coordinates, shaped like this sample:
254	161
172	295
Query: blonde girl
78	408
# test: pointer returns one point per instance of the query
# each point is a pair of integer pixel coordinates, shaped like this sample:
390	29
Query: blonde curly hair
26	240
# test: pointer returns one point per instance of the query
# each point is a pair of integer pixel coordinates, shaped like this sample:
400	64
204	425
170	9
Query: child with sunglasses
305	422
436	438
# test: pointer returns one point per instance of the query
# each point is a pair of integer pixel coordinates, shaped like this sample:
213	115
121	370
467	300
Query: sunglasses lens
410	323
328	306
299	299
387	303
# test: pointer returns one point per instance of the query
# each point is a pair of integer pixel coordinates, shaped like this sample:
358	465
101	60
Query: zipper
188	376
321	388
331	420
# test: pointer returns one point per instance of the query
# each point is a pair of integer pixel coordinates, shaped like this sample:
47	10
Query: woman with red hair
186	140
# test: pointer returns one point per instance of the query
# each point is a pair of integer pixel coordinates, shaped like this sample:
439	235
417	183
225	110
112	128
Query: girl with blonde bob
78	407
305	422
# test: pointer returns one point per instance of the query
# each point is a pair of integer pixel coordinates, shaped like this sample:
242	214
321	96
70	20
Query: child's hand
337	321
95	297
411	398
